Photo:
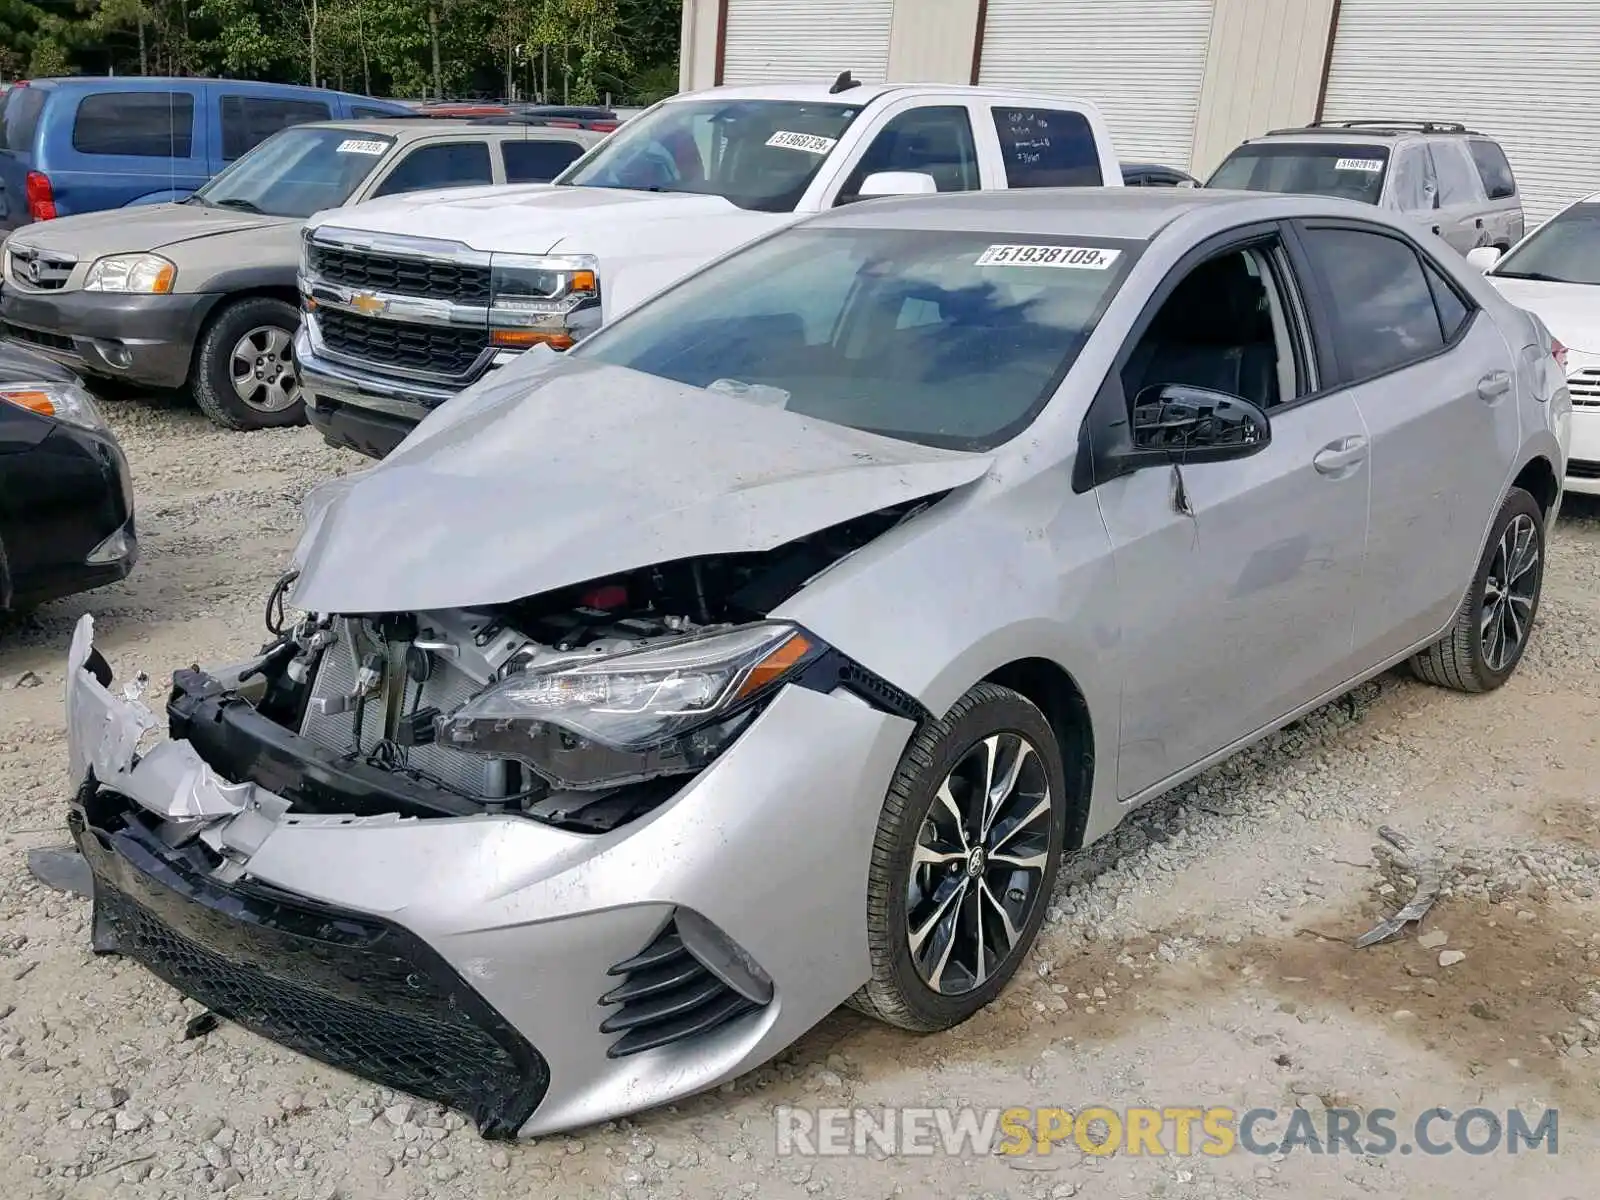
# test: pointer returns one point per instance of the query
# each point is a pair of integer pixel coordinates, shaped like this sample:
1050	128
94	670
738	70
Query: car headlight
538	298
64	401
631	716
144	274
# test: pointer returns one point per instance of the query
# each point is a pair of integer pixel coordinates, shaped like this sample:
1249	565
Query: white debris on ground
1199	956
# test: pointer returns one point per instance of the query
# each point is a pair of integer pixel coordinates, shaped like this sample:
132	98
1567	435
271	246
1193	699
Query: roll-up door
803	40
1525	74
1141	61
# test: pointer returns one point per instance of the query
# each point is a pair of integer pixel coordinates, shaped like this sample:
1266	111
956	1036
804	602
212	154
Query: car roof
864	93
414	128
1133	214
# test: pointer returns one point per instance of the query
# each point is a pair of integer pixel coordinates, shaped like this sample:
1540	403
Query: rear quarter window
19	117
1047	147
1493	168
538	160
247	121
135	124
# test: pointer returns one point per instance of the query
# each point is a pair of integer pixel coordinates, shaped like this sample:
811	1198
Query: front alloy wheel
966	852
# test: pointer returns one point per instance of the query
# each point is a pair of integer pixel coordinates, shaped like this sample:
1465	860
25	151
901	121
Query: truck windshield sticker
357	146
811	143
1359	164
1082	258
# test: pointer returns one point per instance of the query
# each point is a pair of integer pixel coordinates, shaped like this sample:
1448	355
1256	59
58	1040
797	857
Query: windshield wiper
196	198
1537	276
234	202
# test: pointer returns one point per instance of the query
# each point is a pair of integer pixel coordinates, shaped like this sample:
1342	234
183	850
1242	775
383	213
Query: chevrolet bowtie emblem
368	305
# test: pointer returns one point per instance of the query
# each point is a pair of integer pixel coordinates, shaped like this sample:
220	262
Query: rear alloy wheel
1492	626
966	853
245	376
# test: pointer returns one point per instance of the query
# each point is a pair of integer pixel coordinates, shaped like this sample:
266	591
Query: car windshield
297	172
757	154
1354	172
1565	249
953	339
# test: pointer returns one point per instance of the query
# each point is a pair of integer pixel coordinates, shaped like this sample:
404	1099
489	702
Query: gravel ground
1199	956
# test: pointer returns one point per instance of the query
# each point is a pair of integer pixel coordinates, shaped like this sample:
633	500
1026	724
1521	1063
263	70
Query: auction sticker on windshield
811	143
1083	258
357	146
1359	164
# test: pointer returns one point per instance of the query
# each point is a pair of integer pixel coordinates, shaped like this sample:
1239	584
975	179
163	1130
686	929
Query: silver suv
1456	181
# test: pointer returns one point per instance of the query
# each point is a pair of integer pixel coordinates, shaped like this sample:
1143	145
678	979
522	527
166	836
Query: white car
1554	273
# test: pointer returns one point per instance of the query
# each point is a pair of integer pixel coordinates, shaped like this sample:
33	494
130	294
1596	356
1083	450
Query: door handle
1338	457
1494	384
1479	222
1436	229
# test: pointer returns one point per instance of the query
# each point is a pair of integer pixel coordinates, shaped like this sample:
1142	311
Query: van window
1047	147
1495	171
247	121
365	112
135	124
538	160
19	113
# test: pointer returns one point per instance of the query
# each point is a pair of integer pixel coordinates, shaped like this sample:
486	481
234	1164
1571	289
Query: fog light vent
669	993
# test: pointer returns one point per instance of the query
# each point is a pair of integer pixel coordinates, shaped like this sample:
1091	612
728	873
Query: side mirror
897	183
1484	257
1179	423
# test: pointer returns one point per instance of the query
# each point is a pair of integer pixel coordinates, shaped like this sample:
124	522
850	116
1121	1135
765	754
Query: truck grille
351	990
457	282
1585	388
441	350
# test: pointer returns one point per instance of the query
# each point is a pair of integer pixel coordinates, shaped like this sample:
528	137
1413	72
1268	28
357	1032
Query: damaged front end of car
529	860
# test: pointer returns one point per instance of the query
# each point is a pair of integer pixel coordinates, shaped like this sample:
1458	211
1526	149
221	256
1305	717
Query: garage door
1525	74
795	40
1141	61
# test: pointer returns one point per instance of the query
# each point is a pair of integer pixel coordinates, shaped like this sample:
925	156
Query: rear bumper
147	340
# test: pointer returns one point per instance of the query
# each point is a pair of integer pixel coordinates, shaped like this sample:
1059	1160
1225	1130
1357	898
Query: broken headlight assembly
627	717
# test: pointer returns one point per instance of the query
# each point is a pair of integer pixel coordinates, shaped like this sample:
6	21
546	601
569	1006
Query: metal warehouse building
1184	81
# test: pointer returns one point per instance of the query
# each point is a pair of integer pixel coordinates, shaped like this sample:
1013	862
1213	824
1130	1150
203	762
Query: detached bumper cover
533	921
92	330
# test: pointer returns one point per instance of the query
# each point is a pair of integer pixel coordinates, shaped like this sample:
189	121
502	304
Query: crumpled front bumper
769	845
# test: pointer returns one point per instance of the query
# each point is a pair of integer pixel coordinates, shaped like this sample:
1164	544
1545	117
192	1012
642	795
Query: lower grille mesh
667	996
356	993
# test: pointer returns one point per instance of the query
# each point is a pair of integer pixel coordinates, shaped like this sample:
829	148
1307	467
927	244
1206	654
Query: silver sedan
767	651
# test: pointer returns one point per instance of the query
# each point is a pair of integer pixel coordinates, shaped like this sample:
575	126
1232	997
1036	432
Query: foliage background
565	50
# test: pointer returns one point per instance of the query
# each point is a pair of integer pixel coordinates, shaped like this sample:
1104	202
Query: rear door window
1493	169
1456	176
1047	147
247	121
538	160
135	124
443	165
19	117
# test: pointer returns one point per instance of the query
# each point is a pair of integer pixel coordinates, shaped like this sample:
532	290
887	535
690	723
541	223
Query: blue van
80	144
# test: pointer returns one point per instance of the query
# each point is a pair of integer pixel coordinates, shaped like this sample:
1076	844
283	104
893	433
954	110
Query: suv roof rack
1397	125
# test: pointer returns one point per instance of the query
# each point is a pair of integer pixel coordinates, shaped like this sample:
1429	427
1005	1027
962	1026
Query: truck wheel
244	371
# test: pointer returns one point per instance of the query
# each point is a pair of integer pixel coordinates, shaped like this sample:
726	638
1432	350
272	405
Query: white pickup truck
411	299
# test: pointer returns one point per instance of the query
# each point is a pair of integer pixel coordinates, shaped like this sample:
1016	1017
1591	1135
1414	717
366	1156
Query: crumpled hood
574	471
1570	310
130	230
528	218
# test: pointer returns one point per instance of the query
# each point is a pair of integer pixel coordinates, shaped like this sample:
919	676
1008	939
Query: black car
66	499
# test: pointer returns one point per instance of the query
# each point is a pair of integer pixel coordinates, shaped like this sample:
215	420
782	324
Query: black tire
897	993
212	379
1465	658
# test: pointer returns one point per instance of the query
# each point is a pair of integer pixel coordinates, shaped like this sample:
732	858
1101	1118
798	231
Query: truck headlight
536	298
632	716
142	274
